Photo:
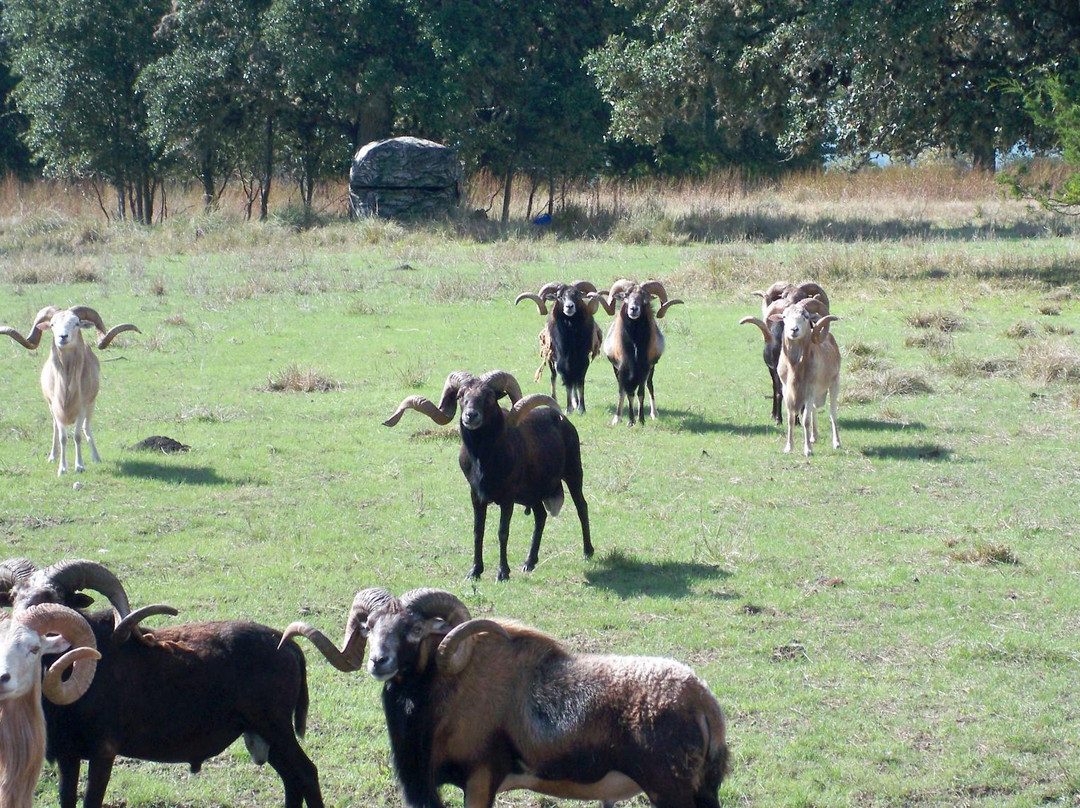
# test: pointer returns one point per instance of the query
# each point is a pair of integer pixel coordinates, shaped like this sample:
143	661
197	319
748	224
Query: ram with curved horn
517	456
774	301
180	695
70	378
570	338
634	342
490	706
809	370
26	636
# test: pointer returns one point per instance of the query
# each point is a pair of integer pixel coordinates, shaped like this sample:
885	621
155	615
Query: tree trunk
507	184
268	170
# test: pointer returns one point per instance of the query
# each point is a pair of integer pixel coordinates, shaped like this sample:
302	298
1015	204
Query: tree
78	64
859	75
515	94
215	97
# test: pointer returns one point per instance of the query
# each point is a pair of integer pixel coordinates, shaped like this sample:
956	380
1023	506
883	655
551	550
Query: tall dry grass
930	202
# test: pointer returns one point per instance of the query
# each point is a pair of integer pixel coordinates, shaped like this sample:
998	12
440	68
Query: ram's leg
539	520
552	366
480	790
790	407
808	430
777	398
98	772
479	518
834	393
581	397
68	775
505	512
89	435
652	396
297	772
618	409
59	447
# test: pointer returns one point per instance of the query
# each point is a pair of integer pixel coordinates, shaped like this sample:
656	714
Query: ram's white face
21	649
797	323
65	327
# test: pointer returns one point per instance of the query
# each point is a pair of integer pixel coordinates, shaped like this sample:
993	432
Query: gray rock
405	177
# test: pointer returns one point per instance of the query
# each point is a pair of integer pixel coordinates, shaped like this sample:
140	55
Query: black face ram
518	456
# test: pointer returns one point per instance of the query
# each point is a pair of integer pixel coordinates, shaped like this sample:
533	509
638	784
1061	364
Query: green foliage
78	63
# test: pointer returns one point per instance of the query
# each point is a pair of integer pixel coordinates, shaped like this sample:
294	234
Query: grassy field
892	623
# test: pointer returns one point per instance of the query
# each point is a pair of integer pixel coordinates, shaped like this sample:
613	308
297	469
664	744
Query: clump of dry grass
1021	330
886	383
936	343
938	320
294	379
967	367
1050	309
1060	330
992	553
1050	361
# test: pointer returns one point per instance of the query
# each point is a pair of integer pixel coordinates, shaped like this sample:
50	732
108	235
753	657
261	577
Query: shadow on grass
925	451
180	475
870	425
627	577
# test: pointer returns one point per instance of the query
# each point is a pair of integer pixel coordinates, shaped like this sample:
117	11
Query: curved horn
447	407
775	292
540	304
52	618
775	309
87	313
621	286
123	629
12	572
456	648
530	402
821	327
656	289
667	304
436	603
765	332
504	382
76	574
597	299
117	329
420	404
33	339
351	656
550	288
815	306
809	289
585	287
323	644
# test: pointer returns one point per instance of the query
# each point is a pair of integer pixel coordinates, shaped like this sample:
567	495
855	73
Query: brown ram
492	706
634	342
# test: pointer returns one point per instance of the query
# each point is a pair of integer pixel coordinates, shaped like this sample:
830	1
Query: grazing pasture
892	623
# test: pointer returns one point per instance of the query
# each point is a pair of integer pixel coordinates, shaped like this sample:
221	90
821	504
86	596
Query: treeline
127	94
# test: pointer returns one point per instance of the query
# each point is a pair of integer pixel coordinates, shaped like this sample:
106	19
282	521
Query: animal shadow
923	451
180	475
627	577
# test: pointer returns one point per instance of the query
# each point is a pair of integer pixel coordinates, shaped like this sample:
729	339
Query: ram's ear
79	600
54	644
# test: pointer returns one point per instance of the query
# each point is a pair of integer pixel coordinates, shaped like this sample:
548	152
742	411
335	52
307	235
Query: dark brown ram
517	456
180	695
492	706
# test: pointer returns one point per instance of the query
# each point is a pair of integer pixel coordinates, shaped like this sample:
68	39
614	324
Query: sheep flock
485	705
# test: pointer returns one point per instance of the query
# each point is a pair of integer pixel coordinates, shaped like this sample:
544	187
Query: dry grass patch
993	553
1050	309
938	320
884	383
1060	330
1050	361
1021	330
936	343
967	367
294	379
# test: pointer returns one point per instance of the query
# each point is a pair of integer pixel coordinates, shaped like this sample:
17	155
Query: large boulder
405	177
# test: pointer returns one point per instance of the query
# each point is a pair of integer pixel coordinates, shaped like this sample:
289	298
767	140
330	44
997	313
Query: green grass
893	623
